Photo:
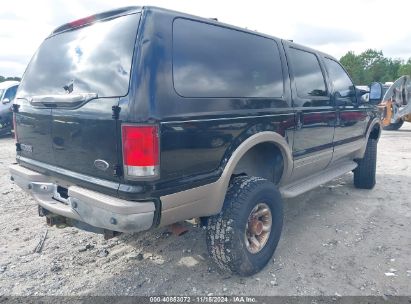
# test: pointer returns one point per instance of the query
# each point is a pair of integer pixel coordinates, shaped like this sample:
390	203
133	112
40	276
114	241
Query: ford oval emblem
101	164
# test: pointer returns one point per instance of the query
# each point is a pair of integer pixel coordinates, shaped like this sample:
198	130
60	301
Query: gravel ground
337	240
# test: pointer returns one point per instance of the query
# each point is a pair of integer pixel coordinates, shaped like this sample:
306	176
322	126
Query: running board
308	183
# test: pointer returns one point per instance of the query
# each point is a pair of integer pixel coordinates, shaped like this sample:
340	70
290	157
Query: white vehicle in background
8	91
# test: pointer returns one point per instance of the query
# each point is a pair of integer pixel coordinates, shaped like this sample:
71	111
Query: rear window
95	59
11	93
308	76
213	61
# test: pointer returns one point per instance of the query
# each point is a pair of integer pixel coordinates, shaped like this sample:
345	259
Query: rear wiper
55	101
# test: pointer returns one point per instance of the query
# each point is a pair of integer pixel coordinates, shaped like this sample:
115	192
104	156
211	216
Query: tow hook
42	211
56	220
109	234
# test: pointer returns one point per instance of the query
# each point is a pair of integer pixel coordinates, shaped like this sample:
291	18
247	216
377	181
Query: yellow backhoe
396	103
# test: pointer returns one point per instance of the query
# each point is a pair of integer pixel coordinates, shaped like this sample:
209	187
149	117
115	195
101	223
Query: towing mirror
362	95
376	90
5	101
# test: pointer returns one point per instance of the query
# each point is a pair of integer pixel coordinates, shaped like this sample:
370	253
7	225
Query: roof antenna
215	19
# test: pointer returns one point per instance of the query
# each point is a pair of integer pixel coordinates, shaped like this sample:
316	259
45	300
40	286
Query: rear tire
252	210
394	126
364	174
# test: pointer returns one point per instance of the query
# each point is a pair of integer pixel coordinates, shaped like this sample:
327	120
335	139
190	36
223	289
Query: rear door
315	114
68	93
34	132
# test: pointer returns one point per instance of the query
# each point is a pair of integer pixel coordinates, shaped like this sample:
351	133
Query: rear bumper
93	208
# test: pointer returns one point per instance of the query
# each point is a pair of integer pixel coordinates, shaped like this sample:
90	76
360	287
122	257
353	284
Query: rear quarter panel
197	135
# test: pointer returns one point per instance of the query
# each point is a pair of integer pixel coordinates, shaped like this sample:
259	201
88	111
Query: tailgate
34	132
68	92
84	140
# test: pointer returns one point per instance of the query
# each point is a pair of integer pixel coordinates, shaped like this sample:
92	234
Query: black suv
142	117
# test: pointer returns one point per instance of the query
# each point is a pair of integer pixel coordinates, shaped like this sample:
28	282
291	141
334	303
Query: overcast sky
334	27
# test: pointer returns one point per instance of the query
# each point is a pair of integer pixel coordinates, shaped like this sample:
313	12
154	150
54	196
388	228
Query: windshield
95	58
1	93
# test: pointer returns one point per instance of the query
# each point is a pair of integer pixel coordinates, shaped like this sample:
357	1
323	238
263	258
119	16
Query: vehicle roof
219	23
96	17
7	84
132	9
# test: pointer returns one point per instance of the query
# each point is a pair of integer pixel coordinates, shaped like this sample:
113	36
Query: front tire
364	174
394	126
244	235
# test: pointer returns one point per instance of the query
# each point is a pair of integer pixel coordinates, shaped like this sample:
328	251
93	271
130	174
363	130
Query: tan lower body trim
188	204
208	199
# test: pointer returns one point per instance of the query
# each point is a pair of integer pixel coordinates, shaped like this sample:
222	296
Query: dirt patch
336	240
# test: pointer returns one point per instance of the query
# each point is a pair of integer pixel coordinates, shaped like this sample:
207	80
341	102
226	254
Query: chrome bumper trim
84	205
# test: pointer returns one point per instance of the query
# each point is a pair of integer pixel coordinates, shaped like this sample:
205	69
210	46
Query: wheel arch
263	160
208	200
262	138
374	132
258	144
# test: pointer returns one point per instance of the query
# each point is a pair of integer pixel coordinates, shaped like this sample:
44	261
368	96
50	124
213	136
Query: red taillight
140	150
81	22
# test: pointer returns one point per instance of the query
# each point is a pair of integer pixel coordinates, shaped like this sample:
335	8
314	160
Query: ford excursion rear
142	117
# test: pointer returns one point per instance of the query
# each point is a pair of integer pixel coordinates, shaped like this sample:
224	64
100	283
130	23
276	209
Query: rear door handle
300	120
338	117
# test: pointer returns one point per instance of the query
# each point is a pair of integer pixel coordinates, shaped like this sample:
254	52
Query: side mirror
5	101
362	95
376	91
365	97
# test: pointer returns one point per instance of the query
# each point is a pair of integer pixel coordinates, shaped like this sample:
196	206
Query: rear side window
11	93
342	83
308	77
95	58
212	61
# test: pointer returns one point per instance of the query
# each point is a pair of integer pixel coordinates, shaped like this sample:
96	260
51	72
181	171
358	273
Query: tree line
2	78
371	65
